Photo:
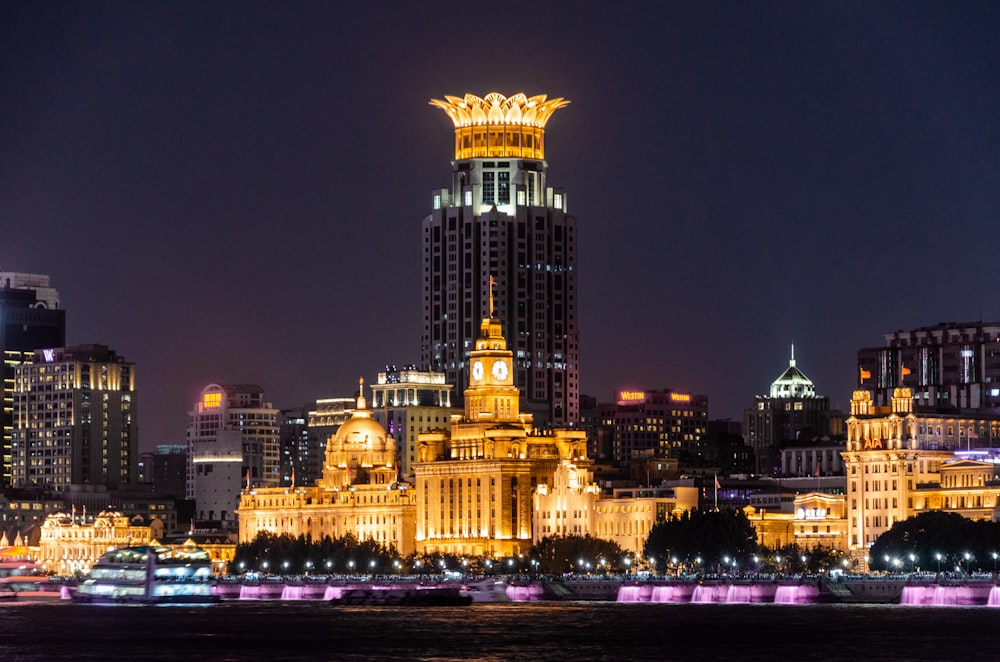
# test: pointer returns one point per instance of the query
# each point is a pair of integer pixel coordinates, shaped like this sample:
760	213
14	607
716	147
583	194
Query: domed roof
792	383
360	432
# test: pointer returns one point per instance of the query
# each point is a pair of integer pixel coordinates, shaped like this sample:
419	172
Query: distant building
239	407
167	470
30	319
74	419
301	452
408	402
945	366
499	221
324	419
668	422
218	463
790	413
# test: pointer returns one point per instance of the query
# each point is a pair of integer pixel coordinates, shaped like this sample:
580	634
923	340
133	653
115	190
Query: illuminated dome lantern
499	126
361	452
792	383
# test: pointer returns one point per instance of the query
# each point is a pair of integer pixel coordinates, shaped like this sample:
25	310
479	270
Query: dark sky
233	192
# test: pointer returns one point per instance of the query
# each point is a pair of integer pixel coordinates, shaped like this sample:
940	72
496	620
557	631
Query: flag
816	473
248	479
717	483
293	476
865	374
905	371
972	434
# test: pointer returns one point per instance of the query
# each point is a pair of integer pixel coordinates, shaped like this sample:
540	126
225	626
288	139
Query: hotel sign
631	397
680	397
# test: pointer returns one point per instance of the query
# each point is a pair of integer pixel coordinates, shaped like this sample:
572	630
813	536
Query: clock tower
491	394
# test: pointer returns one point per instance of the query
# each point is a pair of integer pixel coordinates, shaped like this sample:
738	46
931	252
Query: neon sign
680	397
631	396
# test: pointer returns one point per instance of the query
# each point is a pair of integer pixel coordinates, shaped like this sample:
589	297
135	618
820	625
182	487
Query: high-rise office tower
75	419
946	366
30	319
239	407
500	222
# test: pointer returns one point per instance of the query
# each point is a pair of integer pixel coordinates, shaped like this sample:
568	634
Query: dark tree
559	554
710	536
937	539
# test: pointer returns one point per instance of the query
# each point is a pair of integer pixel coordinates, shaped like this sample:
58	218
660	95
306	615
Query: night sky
232	192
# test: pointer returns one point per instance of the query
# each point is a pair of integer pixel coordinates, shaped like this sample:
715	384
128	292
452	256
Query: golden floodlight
499	126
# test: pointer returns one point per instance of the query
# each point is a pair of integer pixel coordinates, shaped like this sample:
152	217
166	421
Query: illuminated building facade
567	506
71	544
74	419
664	421
358	494
629	514
945	366
239	407
791	413
408	402
500	220
476	481
817	520
30	319
895	453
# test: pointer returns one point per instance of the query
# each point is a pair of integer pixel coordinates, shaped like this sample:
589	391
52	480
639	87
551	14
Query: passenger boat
150	574
30	588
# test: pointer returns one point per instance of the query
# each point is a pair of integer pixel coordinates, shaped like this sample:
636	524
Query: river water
573	631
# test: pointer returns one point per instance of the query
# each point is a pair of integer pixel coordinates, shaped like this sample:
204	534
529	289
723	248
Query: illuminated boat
150	574
30	588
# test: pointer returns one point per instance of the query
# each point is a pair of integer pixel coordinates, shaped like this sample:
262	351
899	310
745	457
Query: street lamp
913	559
938	557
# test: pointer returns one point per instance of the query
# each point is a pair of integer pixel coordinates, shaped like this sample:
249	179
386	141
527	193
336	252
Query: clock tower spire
491	394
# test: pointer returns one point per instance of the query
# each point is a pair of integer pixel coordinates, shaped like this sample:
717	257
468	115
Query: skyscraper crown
499	126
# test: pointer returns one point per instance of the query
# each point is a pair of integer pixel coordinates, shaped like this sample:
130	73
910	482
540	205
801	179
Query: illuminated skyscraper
74	419
499	219
30	319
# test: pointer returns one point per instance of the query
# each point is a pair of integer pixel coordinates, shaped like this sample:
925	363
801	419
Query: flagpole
716	491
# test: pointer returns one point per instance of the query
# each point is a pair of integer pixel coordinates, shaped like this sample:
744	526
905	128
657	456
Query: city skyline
233	193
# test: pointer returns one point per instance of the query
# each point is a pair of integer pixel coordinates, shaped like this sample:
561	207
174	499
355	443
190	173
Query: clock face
477	370
499	371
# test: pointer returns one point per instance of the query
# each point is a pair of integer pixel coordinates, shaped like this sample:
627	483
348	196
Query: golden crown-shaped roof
499	126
